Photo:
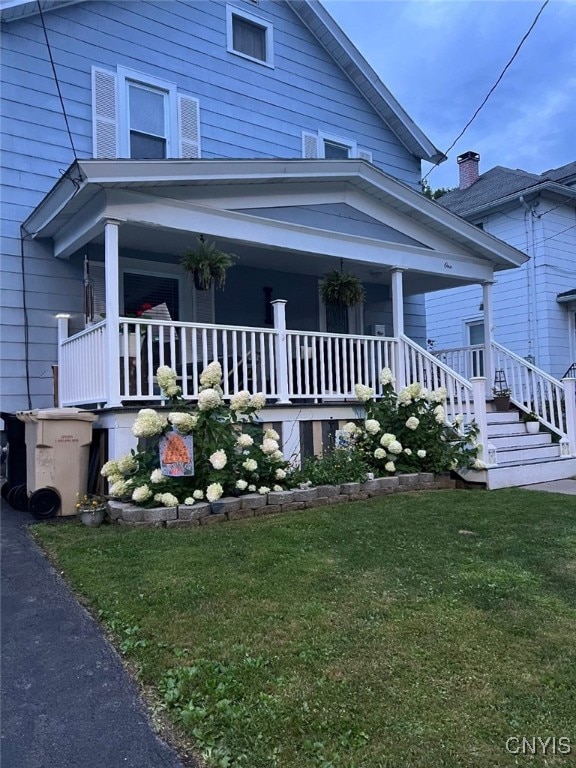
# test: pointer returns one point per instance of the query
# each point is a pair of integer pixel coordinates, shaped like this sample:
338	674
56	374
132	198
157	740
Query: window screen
248	38
147	109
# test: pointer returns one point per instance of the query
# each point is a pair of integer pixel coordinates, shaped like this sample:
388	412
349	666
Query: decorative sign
177	455
341	439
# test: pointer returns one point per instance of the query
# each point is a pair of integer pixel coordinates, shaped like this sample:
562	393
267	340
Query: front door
475	361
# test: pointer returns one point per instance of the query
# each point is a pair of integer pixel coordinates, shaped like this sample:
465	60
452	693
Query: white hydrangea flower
458	419
438	395
363	393
214	492
372	426
119	489
110	468
148	423
166	378
198	495
189	501
241	485
240	401
277	488
167	499
412	422
424	394
478	464
389	466
404	397
386	377
350	428
219	459
379	453
142	493
127	464
115	478
258	401
250	465
184	422
272	434
439	414
244	441
157	476
386	439
395	447
264	489
280	474
209	399
421	454
278	455
407	451
211	375
269	446
251	488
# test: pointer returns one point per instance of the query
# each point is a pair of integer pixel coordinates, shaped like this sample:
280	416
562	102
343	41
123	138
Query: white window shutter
104	114
189	126
365	154
309	144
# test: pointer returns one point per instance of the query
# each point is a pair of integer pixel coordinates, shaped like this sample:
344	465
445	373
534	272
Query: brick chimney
469	172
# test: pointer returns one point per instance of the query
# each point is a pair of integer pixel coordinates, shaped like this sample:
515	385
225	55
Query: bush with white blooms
232	454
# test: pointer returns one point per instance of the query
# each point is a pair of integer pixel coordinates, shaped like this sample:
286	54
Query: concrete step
520	439
526	472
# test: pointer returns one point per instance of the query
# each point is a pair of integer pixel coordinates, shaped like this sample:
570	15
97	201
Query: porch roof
228	198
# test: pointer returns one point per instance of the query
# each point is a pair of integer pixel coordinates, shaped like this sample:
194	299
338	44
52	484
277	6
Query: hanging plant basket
207	264
342	290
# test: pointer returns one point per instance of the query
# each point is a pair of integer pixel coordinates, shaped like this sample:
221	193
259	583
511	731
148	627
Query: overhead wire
492	89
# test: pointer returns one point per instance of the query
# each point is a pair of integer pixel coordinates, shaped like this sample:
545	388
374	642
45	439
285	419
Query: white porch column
570	400
112	275
398	325
488	331
487	454
279	306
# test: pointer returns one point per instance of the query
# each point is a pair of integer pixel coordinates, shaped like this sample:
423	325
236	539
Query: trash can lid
56	414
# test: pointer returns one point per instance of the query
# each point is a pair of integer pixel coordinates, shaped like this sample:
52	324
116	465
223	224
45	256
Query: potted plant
207	263
501	399
532	422
91	509
341	290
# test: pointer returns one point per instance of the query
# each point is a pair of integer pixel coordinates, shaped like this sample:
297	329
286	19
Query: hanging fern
342	290
207	263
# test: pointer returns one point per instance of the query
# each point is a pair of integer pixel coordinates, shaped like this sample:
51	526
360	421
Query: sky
441	57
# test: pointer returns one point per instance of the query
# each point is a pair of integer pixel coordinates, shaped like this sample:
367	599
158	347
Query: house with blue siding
534	306
134	129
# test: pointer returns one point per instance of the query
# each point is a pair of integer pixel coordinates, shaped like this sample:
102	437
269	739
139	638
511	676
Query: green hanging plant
207	263
342	290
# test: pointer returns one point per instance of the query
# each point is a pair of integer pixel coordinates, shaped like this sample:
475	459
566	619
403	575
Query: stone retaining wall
273	503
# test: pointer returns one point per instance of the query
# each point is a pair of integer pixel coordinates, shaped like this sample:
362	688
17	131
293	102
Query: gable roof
501	185
337	44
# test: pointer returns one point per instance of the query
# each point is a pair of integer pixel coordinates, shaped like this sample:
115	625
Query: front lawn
418	630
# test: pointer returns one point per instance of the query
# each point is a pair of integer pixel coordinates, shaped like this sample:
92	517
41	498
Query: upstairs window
328	146
249	36
140	117
147	116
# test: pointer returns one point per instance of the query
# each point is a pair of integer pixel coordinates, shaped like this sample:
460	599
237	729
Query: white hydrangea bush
232	454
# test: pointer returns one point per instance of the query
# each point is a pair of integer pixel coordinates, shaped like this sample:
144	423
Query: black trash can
15	431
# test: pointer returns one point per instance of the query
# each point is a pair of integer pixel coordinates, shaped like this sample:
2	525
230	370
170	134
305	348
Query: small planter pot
502	403
93	518
532	427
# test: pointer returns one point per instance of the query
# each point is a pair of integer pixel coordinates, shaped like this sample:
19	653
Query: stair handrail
527	383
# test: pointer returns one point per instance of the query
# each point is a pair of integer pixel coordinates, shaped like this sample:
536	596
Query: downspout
530	214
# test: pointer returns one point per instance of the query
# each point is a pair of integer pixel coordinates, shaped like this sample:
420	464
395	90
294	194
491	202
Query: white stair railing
532	389
82	364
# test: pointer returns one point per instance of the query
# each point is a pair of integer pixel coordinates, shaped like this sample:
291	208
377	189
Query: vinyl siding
247	110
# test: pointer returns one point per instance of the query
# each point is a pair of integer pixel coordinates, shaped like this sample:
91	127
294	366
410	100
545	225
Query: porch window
143	293
249	36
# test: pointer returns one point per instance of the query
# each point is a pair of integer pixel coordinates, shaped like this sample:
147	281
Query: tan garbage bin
57	452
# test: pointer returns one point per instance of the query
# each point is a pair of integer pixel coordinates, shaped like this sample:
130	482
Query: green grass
418	630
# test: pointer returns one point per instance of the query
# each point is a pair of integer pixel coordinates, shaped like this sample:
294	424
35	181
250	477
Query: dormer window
335	150
249	36
330	147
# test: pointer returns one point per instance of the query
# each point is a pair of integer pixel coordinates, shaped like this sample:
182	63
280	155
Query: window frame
128	77
331	138
258	21
147	268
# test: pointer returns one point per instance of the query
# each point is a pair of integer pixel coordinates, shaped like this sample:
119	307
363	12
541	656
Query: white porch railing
466	361
82	365
327	365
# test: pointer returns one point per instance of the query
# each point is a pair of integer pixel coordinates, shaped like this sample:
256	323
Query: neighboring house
257	125
534	307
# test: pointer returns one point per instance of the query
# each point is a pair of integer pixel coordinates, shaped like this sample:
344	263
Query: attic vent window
249	36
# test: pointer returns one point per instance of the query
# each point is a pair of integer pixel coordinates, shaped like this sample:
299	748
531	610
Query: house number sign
176	454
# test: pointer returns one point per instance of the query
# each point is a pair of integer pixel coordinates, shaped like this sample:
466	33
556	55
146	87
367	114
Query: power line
556	234
491	91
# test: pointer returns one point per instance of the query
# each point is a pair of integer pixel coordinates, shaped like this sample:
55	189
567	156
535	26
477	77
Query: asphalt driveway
67	702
